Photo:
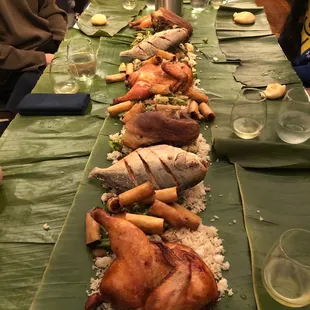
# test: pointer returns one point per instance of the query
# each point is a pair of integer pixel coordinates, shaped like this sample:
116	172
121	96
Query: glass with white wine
286	269
293	120
129	4
81	59
62	80
249	114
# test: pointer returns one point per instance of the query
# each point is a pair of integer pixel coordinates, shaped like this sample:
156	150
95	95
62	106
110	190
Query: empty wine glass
129	4
249	114
293	120
81	59
62	80
286	269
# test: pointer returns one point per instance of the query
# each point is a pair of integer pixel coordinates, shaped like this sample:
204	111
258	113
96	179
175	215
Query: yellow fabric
305	34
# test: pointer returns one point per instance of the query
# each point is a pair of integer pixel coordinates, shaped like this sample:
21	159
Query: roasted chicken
165	78
151	276
160	127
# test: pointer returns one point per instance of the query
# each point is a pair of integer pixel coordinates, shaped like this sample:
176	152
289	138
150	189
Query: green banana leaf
67	275
225	20
118	17
265	151
282	197
262	73
250	49
228	35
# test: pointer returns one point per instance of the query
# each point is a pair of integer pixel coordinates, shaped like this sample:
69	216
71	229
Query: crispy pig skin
157	127
165	19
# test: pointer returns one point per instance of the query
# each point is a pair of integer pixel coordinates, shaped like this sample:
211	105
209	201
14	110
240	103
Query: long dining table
260	187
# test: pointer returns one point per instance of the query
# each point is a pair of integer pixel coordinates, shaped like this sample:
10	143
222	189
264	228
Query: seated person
30	33
295	39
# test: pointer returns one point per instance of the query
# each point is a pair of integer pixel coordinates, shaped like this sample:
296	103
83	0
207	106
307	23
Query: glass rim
262	99
301	89
283	250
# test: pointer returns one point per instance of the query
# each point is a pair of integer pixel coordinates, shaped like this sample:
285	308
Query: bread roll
99	20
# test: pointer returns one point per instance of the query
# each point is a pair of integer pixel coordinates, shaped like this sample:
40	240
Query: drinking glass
216	4
293	120
62	80
129	4
286	269
150	4
199	5
81	59
249	114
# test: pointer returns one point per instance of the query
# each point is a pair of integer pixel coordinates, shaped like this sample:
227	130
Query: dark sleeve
12	58
80	5
304	73
57	19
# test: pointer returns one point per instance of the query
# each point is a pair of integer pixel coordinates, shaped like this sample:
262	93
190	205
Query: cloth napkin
54	104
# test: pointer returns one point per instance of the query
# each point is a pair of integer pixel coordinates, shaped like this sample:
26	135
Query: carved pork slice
163	165
161	40
157	127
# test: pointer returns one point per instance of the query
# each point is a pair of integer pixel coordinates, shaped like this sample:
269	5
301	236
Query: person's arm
80	5
304	73
57	19
12	58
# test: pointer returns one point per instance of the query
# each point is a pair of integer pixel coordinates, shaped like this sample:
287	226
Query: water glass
62	80
216	4
286	269
81	59
129	4
199	5
293	120
249	114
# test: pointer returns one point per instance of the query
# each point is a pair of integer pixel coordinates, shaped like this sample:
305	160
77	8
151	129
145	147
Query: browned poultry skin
177	77
149	276
138	267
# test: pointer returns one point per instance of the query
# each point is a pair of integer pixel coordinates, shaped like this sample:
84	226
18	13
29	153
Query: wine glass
62	80
129	4
249	114
286	269
81	59
293	120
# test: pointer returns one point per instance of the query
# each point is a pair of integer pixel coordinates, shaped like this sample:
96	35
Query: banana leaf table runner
43	160
282	198
118	18
66	268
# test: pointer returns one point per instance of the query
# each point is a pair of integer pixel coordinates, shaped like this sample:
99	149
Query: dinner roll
99	20
274	91
244	18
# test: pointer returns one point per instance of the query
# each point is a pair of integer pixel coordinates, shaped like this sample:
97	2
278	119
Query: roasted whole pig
151	276
172	77
162	19
163	40
159	127
163	165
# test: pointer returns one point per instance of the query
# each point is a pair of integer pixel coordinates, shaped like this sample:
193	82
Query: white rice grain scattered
195	198
261	218
235	221
114	156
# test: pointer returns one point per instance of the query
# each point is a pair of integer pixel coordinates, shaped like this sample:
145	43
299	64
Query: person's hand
48	58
